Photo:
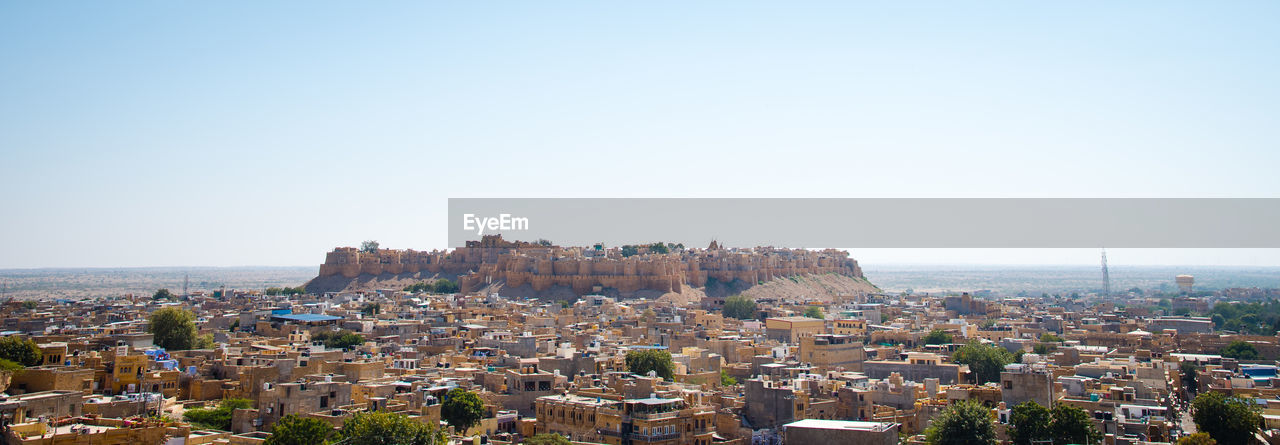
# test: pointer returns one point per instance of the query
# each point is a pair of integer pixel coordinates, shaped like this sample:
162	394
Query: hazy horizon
1019	258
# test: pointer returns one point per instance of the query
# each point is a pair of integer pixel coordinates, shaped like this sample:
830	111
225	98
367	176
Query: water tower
1185	282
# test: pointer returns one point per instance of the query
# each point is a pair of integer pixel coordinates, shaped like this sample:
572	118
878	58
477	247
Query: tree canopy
641	361
300	290
814	312
343	339
1197	439
985	361
439	286
386	428
1029	423
22	351
740	307
1049	337
1073	425
297	430
1228	420
1248	318
218	418
965	422
1240	350
937	337
163	294
726	379
462	409
1187	370
369	246
175	329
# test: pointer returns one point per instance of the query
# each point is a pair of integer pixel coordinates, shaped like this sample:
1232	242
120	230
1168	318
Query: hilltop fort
539	268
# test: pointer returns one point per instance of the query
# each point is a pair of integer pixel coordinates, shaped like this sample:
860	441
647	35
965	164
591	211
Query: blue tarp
306	317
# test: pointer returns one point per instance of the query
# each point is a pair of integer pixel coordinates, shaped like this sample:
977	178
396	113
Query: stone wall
516	263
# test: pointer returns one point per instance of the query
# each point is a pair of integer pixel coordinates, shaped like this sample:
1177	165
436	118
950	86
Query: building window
1008	384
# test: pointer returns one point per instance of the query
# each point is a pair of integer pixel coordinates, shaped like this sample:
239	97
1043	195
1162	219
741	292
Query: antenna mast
1106	275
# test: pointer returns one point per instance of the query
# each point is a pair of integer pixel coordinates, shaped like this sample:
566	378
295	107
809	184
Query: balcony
654	437
655	416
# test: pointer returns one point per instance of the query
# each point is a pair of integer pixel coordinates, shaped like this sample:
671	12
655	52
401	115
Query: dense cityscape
711	222
429	362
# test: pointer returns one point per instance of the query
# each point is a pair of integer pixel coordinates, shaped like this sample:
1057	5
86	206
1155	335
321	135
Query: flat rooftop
847	425
305	317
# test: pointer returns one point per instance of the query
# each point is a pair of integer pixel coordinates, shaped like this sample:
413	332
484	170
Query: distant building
917	367
832	352
815	431
1021	383
770	403
965	305
1184	325
1185	283
790	329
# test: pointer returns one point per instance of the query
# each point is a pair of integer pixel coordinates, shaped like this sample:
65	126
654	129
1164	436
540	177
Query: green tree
814	312
629	250
659	248
285	291
444	286
740	307
1187	370
1229	420
22	351
547	439
218	418
1197	439
173	329
204	342
370	246
371	309
1029	422
1073	425
641	361
297	430
937	337
966	422
10	366
386	428
726	379
343	339
1049	337
462	409
1240	350
162	294
985	361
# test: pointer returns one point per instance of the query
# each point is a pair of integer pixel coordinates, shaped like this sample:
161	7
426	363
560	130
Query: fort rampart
586	269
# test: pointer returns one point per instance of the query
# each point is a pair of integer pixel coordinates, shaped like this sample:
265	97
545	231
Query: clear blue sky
266	133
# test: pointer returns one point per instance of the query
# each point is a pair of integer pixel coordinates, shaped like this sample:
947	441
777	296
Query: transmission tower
185	280
1106	276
